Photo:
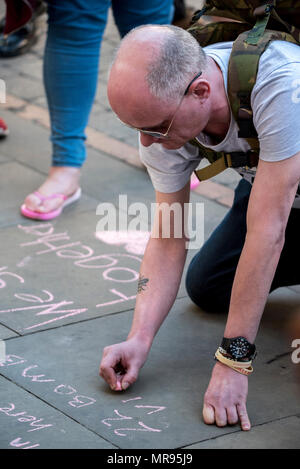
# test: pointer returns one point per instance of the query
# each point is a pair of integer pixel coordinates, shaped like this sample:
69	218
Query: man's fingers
221	416
118	385
212	415
109	375
107	365
208	414
130	377
232	415
243	415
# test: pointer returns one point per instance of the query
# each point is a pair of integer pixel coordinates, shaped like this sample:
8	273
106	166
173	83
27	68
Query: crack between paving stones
59	410
7	327
240	431
69	324
16	110
277	357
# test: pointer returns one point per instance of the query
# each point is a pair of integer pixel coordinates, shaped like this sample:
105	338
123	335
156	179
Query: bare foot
61	180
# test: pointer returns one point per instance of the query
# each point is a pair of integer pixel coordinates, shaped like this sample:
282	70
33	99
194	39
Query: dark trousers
211	272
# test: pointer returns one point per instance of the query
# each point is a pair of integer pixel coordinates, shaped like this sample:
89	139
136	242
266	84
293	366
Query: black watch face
239	348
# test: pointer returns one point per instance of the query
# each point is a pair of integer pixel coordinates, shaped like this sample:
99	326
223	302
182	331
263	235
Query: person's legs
288	271
132	13
70	72
75	30
211	272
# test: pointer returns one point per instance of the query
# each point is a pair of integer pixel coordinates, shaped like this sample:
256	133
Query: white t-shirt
275	101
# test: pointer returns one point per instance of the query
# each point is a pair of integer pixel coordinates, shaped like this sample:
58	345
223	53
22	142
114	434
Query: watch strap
244	368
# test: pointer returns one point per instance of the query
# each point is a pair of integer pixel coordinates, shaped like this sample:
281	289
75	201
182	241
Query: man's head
151	72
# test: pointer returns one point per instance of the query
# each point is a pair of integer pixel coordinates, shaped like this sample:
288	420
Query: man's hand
225	398
122	362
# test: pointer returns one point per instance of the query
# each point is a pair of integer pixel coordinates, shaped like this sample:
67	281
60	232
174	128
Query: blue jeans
75	31
211	272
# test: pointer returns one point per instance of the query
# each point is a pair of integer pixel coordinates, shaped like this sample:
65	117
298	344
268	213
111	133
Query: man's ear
200	89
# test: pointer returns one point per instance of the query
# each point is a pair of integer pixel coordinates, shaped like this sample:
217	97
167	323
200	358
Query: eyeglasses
165	135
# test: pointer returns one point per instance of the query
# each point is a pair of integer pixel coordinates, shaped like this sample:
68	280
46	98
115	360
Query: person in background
73	45
71	60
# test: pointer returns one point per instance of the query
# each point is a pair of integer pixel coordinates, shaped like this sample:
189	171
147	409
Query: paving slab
108	49
281	308
28	142
163	409
105	121
28	423
25	87
59	272
16	182
29	66
281	434
3	159
68	270
6	333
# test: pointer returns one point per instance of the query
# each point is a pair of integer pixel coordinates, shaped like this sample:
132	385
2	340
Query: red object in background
18	13
3	129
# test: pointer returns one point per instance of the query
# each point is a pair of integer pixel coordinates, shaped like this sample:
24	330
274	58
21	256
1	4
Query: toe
33	202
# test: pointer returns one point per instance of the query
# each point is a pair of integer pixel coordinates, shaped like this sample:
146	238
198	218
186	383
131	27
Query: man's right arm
160	277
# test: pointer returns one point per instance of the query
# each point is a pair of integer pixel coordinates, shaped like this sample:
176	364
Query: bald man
171	90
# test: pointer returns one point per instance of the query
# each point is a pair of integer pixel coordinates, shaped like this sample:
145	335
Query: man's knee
204	293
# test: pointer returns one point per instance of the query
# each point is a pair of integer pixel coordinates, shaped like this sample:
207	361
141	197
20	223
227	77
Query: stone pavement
67	292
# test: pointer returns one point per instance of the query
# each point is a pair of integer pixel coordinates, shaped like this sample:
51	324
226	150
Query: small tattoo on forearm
142	283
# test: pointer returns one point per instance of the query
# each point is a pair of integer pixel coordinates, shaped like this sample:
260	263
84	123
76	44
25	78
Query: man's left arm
270	203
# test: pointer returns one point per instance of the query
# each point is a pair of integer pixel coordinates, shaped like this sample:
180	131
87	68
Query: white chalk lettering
38	230
135	274
122	417
81	401
3	283
34	298
35	378
65	389
49	241
38	426
111	258
34	422
17	443
144	428
11	360
156	407
121	296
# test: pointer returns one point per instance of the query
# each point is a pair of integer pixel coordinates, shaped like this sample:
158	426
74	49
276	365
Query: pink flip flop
26	212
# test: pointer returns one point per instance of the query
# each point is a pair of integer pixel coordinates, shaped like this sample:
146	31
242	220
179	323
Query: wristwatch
239	348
